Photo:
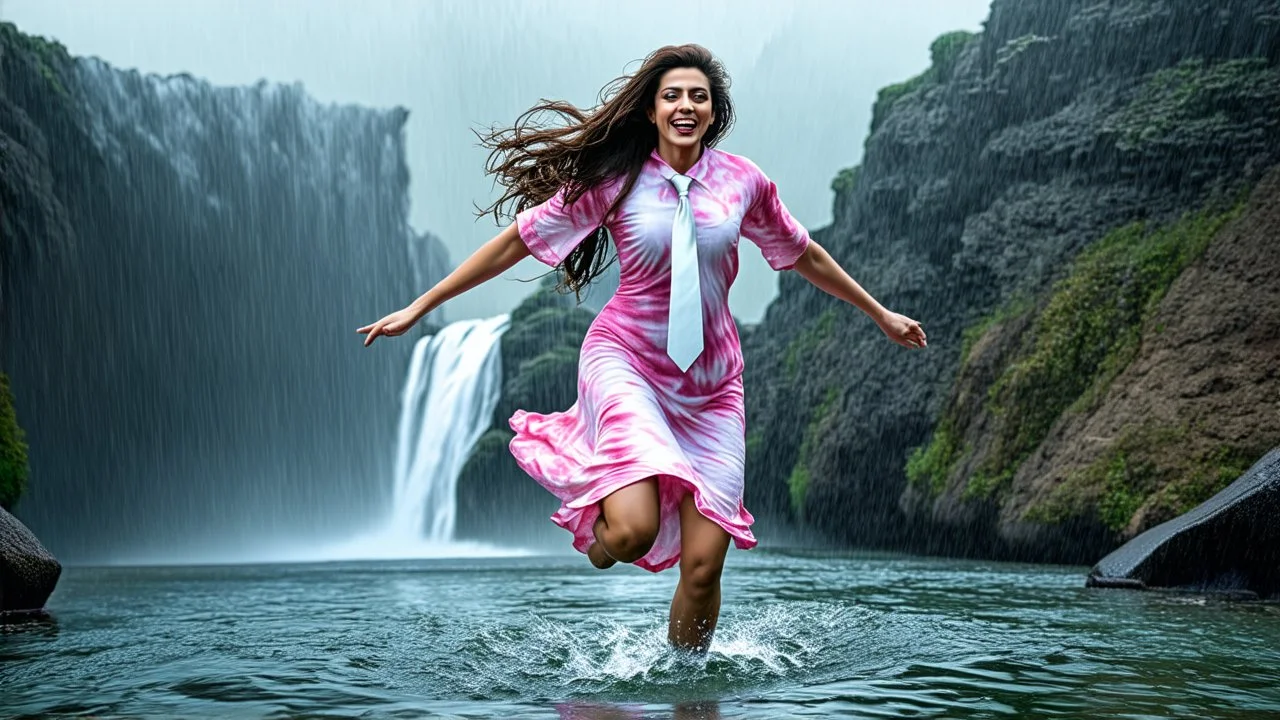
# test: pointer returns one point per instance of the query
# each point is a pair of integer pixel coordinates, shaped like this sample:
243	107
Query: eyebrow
695	87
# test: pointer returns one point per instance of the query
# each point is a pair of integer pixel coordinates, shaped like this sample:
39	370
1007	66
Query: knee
700	575
631	541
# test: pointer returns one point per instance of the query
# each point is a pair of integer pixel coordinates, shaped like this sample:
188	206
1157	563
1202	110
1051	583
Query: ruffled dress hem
578	514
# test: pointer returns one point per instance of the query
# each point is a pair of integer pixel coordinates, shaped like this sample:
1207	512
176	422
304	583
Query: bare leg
628	524
696	605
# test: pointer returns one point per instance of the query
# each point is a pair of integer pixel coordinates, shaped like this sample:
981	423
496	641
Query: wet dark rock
28	572
1135	390
1060	122
1230	544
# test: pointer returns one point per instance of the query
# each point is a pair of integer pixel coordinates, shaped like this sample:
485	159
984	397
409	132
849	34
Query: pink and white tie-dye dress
637	416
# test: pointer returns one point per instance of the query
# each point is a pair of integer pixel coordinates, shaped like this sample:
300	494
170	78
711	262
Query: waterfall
450	392
454	380
184	319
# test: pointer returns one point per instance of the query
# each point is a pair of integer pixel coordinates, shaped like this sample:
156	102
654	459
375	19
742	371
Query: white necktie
684	319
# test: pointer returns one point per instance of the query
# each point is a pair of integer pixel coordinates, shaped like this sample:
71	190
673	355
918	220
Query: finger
372	334
364	329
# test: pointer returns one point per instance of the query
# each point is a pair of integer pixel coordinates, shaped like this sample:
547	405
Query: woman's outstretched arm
489	261
818	267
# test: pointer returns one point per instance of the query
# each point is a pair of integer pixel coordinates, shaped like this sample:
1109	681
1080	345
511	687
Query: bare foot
599	557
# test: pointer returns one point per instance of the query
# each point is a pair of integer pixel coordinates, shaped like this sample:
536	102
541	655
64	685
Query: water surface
801	635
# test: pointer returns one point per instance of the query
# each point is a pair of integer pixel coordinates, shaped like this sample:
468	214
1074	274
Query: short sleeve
768	224
554	228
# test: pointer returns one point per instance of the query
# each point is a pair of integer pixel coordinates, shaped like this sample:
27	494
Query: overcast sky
804	72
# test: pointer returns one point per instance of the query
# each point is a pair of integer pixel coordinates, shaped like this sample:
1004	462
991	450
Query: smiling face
682	109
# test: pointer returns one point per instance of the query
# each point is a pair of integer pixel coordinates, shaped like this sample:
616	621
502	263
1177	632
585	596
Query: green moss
798	481
1150	465
1195	97
930	465
544	382
1122	495
1013	309
49	57
1088	332
888	95
549	326
846	180
1214	472
755	441
983	483
543	299
13	450
806	343
943	53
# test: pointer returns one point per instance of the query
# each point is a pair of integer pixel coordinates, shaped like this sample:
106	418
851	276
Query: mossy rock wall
13	450
981	183
1020	458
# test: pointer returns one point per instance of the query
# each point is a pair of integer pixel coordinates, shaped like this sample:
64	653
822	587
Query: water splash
605	658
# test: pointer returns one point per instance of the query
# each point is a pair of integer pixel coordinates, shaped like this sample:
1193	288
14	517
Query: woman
648	463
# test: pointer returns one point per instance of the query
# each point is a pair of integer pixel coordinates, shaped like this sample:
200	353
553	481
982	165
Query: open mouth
684	127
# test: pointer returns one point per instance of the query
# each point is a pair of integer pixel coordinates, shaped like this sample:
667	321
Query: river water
802	634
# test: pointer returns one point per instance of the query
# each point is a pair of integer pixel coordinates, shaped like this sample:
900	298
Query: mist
804	76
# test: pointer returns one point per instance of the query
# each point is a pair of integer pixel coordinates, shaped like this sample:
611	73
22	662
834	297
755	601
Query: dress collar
701	167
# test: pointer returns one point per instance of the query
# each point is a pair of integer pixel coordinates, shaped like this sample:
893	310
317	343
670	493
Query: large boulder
1228	544
28	572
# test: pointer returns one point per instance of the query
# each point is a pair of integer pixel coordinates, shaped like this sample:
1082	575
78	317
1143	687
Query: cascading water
455	378
196	260
450	391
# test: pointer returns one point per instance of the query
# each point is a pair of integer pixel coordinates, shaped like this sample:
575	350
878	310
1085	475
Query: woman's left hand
903	330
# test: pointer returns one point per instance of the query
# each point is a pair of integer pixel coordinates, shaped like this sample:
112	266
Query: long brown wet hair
533	160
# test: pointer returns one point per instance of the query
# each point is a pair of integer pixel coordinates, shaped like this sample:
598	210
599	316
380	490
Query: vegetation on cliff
13	450
1082	336
539	374
943	53
1195	98
50	57
1151	462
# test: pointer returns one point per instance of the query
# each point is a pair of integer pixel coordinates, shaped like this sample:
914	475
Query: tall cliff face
1142	384
981	180
183	270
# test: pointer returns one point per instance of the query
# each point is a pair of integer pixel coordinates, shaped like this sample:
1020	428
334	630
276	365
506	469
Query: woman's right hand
397	323
493	258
